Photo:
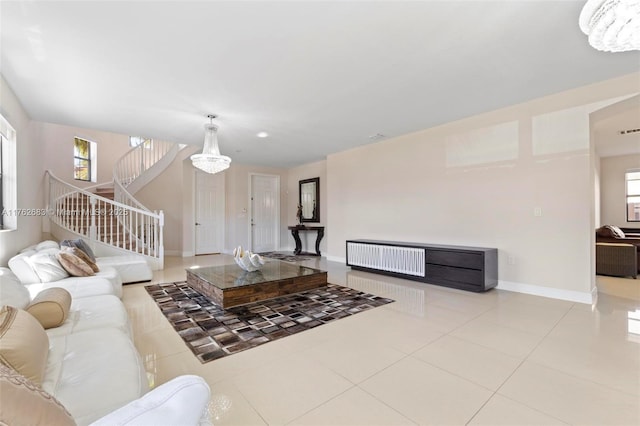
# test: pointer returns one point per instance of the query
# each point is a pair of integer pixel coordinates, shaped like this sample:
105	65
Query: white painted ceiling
319	77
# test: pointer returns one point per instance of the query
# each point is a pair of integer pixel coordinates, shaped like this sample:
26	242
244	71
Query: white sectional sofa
93	368
114	271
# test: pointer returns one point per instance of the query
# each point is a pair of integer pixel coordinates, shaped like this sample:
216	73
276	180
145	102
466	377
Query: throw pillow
24	402
617	232
82	255
47	267
48	244
24	345
12	292
74	265
51	307
82	245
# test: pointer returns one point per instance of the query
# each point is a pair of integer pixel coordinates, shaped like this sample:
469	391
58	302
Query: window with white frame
632	182
8	177
84	160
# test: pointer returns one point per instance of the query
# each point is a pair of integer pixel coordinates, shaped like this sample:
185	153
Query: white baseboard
554	293
336	259
174	253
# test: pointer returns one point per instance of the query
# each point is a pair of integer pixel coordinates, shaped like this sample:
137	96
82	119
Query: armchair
613	251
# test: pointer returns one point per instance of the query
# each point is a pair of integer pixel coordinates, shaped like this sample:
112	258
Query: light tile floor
435	356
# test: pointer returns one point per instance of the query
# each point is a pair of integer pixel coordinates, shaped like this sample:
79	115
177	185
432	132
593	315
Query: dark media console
466	268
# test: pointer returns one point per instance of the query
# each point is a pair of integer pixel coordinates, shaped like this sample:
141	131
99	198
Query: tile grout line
518	367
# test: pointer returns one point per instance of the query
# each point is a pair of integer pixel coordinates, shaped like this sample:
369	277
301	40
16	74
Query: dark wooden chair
616	259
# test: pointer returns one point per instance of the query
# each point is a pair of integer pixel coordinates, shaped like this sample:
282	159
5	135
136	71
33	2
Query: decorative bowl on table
247	260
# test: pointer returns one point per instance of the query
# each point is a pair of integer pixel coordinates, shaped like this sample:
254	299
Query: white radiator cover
402	260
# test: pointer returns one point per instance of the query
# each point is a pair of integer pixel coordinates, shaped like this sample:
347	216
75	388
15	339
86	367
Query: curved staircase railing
121	222
130	228
135	168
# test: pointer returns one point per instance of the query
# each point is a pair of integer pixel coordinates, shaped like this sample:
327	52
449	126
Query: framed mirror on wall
310	200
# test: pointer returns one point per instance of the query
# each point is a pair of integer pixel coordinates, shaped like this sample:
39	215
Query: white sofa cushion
47	266
12	292
76	286
94	372
107	281
91	313
180	401
22	268
131	268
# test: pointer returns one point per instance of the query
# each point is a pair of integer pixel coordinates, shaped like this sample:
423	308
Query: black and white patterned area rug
286	257
212	332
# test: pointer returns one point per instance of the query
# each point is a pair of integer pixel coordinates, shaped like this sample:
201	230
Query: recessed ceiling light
262	135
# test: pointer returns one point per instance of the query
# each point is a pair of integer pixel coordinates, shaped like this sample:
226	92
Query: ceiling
318	76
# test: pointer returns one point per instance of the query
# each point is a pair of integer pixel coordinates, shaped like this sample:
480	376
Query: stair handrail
144	227
133	164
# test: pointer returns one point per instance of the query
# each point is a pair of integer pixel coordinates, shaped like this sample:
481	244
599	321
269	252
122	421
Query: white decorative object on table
247	260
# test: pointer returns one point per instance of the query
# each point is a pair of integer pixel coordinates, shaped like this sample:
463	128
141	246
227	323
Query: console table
465	268
295	231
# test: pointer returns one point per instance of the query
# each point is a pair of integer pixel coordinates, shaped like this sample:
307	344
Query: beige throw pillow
51	307
74	265
82	255
24	345
26	403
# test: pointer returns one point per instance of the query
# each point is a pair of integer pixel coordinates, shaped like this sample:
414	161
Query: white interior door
265	213
209	209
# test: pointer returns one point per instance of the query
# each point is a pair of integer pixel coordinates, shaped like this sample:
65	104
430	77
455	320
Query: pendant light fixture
612	25
210	160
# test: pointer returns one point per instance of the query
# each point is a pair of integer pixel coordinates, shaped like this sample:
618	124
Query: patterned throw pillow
74	265
82	255
82	245
51	307
617	232
24	345
26	403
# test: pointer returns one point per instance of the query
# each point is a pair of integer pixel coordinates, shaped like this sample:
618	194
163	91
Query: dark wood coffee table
229	285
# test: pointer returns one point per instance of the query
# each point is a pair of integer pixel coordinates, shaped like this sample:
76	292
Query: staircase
108	214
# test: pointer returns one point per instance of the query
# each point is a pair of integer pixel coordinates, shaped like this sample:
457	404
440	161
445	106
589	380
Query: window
139	140
8	173
84	152
632	179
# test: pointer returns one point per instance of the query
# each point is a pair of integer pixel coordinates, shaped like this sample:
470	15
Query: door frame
194	210
250	209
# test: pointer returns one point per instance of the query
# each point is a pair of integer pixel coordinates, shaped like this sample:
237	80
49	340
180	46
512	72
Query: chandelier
612	25
210	160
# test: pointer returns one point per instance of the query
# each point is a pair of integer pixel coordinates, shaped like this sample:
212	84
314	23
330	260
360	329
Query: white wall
295	175
30	177
57	149
173	193
477	182
237	203
612	189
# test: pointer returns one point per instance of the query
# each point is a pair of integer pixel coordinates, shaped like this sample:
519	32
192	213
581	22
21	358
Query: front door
265	213
210	217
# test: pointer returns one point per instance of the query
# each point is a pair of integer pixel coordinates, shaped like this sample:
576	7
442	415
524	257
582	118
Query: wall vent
402	260
377	136
629	131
